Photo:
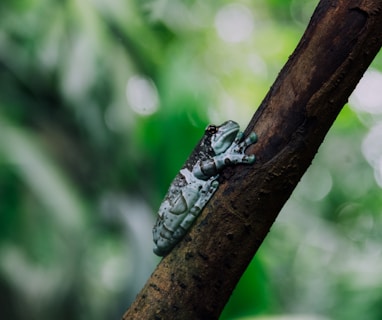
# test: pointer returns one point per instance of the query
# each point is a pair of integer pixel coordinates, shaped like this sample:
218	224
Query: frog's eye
212	129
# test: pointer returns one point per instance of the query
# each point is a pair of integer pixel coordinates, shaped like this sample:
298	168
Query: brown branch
196	279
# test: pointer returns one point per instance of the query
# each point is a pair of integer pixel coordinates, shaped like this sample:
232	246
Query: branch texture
196	279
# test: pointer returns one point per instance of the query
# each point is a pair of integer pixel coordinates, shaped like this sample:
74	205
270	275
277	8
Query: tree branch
196	279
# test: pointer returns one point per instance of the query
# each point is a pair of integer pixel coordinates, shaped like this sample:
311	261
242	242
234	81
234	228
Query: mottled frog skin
197	181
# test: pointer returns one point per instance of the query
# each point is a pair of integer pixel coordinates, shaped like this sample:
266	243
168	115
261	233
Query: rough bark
196	279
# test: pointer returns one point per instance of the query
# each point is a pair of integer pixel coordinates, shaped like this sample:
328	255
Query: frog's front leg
234	154
207	191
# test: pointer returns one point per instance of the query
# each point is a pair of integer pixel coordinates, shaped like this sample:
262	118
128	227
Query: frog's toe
239	136
252	138
214	184
250	159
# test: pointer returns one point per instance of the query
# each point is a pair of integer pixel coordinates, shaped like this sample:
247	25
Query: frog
197	181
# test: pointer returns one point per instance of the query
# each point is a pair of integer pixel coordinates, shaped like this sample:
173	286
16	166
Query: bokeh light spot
234	23
367	96
142	95
372	150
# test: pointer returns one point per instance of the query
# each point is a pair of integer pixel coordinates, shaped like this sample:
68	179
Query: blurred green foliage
100	104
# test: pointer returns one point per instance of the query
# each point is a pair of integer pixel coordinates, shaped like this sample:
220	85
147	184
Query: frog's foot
236	152
251	139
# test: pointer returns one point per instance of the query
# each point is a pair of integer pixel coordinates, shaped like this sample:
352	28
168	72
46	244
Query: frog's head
223	135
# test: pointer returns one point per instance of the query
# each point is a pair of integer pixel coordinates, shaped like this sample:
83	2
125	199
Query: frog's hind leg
205	195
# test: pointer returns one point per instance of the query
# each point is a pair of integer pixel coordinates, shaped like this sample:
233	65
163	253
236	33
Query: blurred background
101	103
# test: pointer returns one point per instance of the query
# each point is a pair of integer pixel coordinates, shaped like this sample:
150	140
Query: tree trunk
196	279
